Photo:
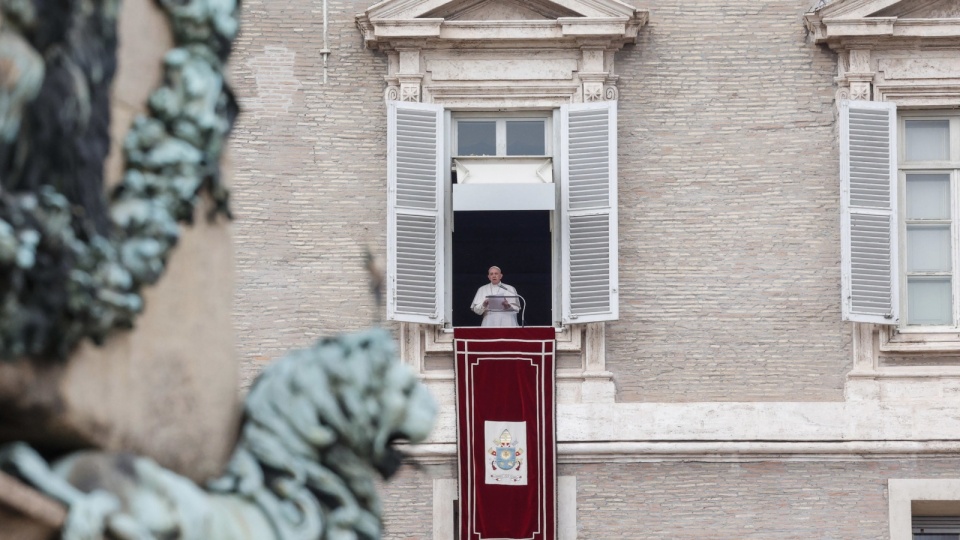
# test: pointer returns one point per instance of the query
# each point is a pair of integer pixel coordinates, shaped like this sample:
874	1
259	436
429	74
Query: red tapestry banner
506	433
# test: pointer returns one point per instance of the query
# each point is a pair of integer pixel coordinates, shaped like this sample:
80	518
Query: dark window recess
519	243
936	528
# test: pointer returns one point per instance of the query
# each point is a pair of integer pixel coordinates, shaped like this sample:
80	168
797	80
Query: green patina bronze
63	276
319	423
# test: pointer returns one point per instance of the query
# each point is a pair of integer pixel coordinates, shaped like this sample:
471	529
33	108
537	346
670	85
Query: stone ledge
869	422
715	451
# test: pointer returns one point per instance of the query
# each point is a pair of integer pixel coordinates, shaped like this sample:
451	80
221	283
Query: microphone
500	285
523	312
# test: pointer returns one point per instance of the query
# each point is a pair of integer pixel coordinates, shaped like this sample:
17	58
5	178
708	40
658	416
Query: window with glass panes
573	228
929	167
478	136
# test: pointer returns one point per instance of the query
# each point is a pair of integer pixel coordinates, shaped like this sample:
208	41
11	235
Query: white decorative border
902	493
541	413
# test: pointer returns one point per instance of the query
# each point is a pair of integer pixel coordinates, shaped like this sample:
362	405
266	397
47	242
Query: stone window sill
892	340
440	340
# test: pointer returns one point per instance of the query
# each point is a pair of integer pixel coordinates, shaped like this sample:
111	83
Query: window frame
552	142
905	493
944	526
585	207
501	118
947	333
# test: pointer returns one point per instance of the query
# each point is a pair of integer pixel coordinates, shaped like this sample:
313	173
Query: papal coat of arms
505	458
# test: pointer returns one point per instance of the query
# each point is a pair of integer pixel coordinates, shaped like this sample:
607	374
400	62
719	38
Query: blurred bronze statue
116	441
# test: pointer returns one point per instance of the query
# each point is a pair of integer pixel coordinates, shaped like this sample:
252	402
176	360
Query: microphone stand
523	307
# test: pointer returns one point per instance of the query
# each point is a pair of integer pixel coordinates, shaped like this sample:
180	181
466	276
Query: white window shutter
415	275
588	193
868	209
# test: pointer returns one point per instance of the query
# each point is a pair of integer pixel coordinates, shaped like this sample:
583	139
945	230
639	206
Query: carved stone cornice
846	24
392	22
410	9
892	50
525	54
391	34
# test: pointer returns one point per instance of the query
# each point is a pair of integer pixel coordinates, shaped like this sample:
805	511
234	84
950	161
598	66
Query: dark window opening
936	528
519	242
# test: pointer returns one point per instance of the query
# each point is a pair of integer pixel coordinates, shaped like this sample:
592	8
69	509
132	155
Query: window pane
929	300
928	140
928	248
935	536
525	138
928	196
476	138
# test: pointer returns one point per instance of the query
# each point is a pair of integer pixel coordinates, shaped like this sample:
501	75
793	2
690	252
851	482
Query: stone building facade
728	398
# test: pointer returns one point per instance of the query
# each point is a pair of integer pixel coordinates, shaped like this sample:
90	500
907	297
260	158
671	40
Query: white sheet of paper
495	302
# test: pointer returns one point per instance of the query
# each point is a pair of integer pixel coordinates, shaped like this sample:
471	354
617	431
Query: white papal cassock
496	318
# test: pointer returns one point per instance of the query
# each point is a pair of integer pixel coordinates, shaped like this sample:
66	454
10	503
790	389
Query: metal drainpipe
325	51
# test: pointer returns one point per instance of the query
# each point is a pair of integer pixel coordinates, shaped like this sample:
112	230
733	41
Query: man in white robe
504	313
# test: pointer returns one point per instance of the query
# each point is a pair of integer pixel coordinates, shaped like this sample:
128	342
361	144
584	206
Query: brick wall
729	216
309	188
729	213
408	501
836	500
785	500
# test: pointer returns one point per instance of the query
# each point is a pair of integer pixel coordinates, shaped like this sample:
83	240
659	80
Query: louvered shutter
415	212
588	192
868	208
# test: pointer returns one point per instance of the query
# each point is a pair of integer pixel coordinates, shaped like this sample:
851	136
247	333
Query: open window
899	177
929	166
502	124
486	195
898	90
503	207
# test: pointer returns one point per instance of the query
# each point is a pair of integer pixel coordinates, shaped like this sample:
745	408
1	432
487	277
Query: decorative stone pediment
933	9
482	54
502	10
411	9
885	21
905	51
